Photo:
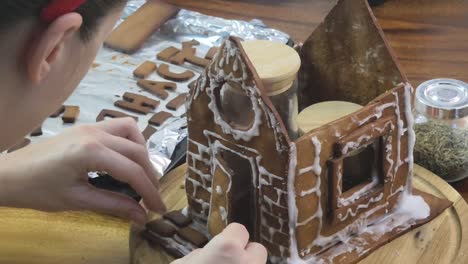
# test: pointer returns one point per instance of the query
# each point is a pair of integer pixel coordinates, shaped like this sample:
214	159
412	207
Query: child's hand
230	247
52	175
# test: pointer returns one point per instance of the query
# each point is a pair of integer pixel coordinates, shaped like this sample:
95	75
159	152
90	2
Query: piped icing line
350	212
360	193
411	133
218	78
377	113
292	209
355	144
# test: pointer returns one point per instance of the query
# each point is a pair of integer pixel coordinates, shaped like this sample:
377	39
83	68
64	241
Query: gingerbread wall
347	58
263	144
320	225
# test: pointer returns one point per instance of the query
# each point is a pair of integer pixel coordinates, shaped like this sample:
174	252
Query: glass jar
441	126
277	66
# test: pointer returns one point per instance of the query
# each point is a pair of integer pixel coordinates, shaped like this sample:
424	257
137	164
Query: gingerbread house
305	199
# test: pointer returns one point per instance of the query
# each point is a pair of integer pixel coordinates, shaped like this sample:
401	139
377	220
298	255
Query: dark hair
15	11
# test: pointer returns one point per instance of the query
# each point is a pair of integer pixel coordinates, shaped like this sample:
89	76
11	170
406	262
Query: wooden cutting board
130	36
32	237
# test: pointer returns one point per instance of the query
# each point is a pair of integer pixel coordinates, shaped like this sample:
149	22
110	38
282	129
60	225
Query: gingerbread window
358	172
235	106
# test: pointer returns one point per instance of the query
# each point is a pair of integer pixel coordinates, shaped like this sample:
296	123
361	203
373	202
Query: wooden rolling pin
130	36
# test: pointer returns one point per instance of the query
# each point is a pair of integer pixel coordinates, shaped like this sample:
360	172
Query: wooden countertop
429	37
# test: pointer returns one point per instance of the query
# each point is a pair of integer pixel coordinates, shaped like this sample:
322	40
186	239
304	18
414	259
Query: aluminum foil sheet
216	29
112	75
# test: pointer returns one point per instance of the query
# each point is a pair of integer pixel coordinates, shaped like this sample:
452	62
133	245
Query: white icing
306	170
350	212
223	213
264	182
352	145
270	175
219	190
292	209
216	145
219	78
201	174
318	148
185	211
414	206
337	134
411	134
377	113
361	192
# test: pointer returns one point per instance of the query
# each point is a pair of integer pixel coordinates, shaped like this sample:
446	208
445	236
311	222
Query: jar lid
442	99
276	64
323	113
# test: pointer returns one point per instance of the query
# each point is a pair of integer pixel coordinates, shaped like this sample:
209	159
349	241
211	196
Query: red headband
57	8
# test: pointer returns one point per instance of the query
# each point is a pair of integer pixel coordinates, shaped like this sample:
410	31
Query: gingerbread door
233	198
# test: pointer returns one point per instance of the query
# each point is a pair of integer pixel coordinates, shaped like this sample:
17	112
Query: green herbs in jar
442	149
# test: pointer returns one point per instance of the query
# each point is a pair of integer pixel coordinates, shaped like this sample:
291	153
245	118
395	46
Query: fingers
123	127
101	158
134	152
189	258
107	202
256	253
234	236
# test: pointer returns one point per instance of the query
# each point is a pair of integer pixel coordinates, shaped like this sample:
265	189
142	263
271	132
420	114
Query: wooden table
30	237
429	37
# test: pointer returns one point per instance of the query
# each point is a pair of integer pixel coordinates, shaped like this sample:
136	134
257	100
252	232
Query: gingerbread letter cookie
159	118
112	114
157	88
211	53
148	132
71	114
58	112
145	69
137	103
177	102
164	72
167	54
